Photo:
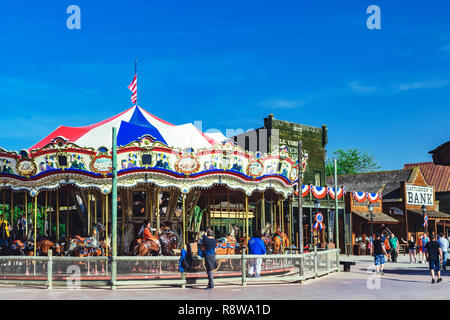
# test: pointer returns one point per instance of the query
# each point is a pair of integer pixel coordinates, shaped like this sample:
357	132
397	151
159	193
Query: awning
432	214
379	217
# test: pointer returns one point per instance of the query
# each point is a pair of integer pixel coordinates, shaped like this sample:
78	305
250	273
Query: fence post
50	270
244	269
338	252
183	278
113	272
315	262
300	268
328	260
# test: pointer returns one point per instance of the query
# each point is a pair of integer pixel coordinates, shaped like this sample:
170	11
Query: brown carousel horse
280	241
163	244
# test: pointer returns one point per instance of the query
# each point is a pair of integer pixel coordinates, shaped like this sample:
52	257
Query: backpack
186	261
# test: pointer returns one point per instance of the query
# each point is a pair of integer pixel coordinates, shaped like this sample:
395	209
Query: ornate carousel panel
147	161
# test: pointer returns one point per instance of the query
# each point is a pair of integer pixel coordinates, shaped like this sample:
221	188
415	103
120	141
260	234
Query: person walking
209	245
443	242
411	249
434	257
385	240
378	251
256	246
423	247
394	244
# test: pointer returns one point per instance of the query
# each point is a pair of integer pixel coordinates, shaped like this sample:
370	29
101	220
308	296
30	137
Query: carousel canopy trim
147	160
133	124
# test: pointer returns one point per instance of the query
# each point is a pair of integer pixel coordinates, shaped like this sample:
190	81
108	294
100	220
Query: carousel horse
268	242
226	246
87	246
169	241
23	248
163	244
280	241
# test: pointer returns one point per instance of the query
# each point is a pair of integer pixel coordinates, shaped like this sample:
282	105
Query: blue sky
232	63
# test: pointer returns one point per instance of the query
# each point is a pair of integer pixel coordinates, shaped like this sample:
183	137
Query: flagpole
135	73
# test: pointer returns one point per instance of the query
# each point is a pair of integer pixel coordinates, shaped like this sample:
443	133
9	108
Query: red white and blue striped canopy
131	125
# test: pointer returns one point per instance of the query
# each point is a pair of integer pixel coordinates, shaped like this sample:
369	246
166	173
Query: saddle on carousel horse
87	245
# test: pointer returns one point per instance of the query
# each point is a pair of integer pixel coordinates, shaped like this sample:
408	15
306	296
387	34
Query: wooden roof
432	214
387	182
379	217
435	175
441	155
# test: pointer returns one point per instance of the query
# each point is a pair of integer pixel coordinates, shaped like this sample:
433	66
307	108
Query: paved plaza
402	281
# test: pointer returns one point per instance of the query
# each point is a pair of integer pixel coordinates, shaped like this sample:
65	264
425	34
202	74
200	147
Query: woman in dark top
411	249
209	249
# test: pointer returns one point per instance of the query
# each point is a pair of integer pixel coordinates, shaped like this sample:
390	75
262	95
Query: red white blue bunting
373	197
360	196
305	190
318	192
331	192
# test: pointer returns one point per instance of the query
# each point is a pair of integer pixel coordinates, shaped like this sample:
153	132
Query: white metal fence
75	272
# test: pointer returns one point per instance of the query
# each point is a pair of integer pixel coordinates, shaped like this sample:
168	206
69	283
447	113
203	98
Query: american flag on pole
133	88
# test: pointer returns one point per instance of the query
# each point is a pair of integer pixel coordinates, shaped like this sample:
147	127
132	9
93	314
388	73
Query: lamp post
424	211
371	215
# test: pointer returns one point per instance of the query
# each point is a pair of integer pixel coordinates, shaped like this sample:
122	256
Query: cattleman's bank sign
416	195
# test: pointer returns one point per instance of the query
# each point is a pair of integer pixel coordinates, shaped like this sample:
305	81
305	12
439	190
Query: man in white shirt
443	242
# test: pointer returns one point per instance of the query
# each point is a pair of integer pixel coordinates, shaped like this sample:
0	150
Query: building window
317	179
247	143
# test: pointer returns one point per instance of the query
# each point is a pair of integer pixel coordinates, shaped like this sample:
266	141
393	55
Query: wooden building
441	155
404	193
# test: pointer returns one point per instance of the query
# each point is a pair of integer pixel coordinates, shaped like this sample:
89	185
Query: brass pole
290	222
103	210
229	211
67	215
263	212
244	227
35	223
150	193
123	225
184	221
50	215
57	215
220	206
12	209
4	204
89	213
26	215
45	215
271	216
95	208
246	213
214	209
158	223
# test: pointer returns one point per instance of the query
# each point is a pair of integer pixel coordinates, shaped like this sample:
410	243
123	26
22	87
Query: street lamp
424	211
371	215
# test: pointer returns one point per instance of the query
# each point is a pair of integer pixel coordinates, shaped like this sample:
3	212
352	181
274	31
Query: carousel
176	177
